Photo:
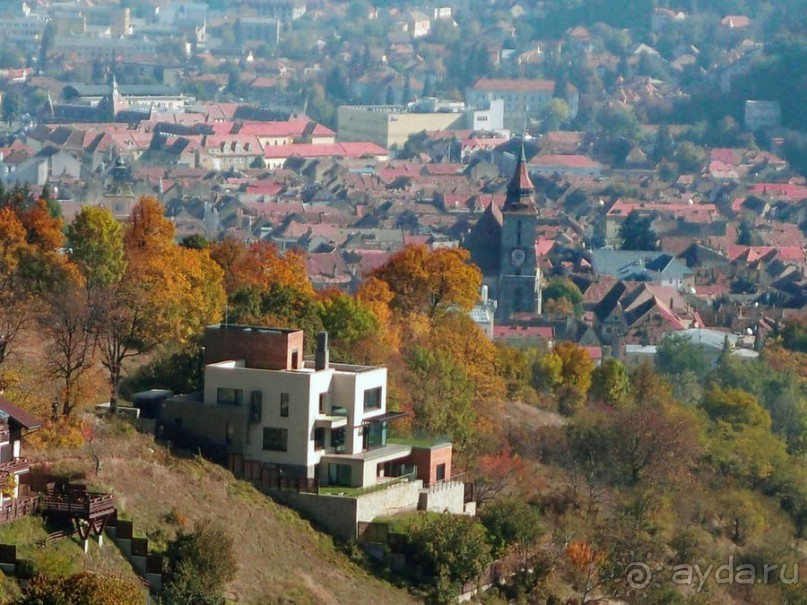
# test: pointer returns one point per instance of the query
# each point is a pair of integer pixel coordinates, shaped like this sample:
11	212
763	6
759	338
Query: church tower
519	276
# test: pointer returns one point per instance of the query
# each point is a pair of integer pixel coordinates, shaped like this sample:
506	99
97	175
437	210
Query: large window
284	405
372	399
275	439
227	396
375	436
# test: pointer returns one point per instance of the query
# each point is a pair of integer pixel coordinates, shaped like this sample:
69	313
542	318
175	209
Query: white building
310	432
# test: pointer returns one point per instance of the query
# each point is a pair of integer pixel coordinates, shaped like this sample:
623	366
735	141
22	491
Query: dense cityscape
351	302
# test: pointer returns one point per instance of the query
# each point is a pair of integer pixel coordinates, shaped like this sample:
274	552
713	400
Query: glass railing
338	410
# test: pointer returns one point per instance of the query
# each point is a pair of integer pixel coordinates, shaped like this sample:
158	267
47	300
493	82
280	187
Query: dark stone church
502	245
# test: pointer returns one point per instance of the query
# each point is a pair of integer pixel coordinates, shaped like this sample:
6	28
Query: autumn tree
424	281
566	372
67	321
740	442
260	265
201	563
81	589
166	293
14	308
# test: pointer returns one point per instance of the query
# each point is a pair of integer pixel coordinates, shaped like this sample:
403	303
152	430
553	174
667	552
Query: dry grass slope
281	558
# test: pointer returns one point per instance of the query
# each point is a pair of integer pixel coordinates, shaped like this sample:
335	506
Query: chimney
321	357
484	294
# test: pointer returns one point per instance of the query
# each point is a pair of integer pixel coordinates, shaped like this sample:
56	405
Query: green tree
676	354
610	383
201	563
512	523
95	241
689	156
559	288
452	548
637	234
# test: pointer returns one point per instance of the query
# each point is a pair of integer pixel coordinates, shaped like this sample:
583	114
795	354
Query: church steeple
520	190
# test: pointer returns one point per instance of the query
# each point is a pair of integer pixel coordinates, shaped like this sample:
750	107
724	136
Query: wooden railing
14	466
19	507
87	505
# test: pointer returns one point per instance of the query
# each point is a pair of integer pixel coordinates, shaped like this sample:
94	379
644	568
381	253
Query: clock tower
519	276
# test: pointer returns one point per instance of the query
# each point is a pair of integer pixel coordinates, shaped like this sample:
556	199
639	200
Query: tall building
519	275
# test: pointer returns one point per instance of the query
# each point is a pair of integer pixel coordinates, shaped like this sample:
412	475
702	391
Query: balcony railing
338	410
19	507
87	505
14	466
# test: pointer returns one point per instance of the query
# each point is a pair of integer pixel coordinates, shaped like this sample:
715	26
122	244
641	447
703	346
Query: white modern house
305	430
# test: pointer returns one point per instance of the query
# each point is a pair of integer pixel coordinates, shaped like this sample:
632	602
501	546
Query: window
319	439
375	436
323	402
256	407
440	472
275	439
372	399
284	405
227	396
338	440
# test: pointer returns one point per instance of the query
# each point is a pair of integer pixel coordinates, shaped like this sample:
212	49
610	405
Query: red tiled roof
307	150
787	191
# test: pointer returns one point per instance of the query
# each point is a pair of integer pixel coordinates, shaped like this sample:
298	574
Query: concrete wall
335	514
339	515
399	498
447	496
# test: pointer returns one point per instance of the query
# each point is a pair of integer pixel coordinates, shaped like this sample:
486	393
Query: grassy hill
281	558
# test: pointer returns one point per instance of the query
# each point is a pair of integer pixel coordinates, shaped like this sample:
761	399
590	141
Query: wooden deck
78	503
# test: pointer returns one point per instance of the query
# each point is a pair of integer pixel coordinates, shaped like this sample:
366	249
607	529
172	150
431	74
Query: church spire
520	190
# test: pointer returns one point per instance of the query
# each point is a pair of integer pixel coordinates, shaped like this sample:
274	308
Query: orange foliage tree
424	281
260	265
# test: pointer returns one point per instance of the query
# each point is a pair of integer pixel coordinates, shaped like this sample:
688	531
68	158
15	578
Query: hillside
281	558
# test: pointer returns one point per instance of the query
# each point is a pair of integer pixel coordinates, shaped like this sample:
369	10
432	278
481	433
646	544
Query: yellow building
389	125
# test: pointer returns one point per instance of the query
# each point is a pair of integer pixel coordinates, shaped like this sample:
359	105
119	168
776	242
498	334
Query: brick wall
266	349
427	460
